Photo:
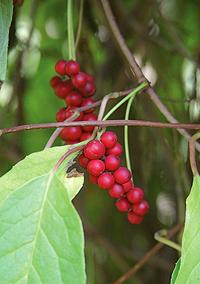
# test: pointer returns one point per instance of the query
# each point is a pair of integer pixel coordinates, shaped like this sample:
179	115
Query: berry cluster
101	159
77	89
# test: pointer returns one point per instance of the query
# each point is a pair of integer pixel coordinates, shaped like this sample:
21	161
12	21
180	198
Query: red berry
73	99
141	208
79	80
116	150
60	67
72	67
116	191
71	142
90	78
83	161
89	117
122	175
88	102
70	111
60	115
85	136
135	195
89	89
127	186
71	133
106	180
95	167
63	89
112	162
94	150
55	81
109	139
123	205
133	218
93	179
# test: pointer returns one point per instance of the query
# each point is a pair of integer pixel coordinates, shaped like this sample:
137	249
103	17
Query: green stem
160	236
133	93
70	31
78	33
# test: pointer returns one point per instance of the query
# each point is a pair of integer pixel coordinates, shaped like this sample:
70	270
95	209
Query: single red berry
90	78
93	179
135	195
83	161
55	81
109	139
73	99
89	117
106	180
85	136
89	89
60	115
79	80
72	67
116	191
70	111
112	162
123	205
122	175
117	150
95	167
141	208
60	67
71	133
63	89
127	186
133	218
94	150
88	102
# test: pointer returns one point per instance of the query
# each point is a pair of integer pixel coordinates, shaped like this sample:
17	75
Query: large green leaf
189	271
41	237
175	272
6	9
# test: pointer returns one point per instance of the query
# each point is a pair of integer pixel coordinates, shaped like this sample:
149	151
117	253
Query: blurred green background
164	36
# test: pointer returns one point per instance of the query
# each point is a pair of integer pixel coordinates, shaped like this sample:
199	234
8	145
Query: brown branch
147	256
137	70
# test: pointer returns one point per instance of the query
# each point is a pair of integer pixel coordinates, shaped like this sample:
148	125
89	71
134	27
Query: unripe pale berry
116	191
94	150
89	117
133	218
135	195
83	161
109	139
112	162
72	67
123	205
71	133
122	175
141	208
106	180
95	167
60	67
117	150
73	99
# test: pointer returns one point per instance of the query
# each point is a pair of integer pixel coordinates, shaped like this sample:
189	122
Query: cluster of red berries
77	89
101	159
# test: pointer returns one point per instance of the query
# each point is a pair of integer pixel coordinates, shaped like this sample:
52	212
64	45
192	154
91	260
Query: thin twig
147	256
80	20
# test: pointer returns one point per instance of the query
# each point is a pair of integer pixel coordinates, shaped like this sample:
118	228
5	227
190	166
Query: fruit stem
160	236
70	31
78	33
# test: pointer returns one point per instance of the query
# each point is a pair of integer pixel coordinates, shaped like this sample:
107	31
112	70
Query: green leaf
175	272
6	10
41	237
189	271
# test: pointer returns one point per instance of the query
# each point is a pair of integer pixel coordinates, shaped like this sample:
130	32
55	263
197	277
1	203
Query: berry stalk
70	31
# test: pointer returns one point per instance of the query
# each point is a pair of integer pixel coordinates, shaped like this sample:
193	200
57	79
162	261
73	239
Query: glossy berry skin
90	78
60	115
95	167
94	150
106	180
93	179
63	89
83	161
116	191
70	111
117	150
122	175
135	195
141	208
127	186
55	81
72	67
79	80
133	218
112	162
89	89
89	117
123	205
85	136
60	67
71	133
88	102
109	139
73	99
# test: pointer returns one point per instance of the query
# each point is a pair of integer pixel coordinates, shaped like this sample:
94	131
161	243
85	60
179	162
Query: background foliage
165	37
